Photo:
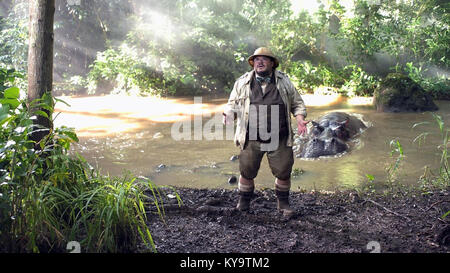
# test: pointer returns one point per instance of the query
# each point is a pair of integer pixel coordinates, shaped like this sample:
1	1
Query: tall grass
48	198
398	154
442	178
102	213
430	180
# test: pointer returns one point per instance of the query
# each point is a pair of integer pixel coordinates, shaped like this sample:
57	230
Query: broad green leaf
12	93
14	103
48	99
41	113
73	136
69	132
4	109
5	120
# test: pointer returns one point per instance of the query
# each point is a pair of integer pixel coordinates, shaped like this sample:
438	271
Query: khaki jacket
239	103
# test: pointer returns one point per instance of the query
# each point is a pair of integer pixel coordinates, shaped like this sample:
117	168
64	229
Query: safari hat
263	51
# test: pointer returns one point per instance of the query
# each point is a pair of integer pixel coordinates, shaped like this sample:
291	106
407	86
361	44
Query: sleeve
232	104
297	104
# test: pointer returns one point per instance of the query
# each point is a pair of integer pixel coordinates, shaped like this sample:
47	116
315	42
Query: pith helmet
264	51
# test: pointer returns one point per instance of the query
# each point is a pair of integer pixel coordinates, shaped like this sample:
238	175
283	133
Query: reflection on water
120	133
101	116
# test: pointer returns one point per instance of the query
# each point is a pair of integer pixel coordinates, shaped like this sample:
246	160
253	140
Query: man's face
262	65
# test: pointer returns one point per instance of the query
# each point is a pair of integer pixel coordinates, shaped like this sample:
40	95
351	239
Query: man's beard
264	73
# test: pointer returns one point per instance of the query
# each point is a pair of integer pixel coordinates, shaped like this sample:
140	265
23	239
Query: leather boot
283	203
244	200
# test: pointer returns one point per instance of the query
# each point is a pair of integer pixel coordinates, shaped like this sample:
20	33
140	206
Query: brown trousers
280	160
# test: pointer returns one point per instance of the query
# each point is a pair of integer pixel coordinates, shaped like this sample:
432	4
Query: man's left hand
301	125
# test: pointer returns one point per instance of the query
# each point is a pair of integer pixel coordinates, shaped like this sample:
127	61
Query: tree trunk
40	59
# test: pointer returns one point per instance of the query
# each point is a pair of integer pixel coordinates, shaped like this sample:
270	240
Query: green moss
399	82
397	92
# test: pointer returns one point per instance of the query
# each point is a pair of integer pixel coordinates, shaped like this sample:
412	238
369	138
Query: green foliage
295	39
73	85
438	87
398	155
13	37
263	15
350	80
377	36
48	198
442	179
412	29
430	180
296	172
126	71
9	78
198	46
358	82
368	187
305	76
83	29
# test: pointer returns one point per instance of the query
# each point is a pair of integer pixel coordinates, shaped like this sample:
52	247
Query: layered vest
261	105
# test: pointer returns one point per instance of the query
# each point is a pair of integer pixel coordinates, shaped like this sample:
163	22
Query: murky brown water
120	134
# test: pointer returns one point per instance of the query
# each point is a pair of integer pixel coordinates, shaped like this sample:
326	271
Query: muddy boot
283	203
244	200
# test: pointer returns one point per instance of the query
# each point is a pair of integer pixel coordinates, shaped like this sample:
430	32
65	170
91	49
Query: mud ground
340	222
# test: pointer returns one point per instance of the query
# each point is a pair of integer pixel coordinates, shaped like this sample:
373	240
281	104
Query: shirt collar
252	73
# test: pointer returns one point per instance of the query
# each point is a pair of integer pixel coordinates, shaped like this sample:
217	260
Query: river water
136	134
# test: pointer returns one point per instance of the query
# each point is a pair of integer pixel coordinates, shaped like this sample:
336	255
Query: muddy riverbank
342	222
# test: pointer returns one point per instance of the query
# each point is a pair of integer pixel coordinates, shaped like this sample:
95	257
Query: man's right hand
301	125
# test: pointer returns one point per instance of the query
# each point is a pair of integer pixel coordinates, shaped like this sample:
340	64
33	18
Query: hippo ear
317	129
343	123
317	126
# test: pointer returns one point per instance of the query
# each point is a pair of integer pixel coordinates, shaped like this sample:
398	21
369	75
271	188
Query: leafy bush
306	76
438	87
48	198
350	80
358	82
155	69
124	71
13	37
9	78
72	85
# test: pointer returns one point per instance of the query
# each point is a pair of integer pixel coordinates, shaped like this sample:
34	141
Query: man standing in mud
263	100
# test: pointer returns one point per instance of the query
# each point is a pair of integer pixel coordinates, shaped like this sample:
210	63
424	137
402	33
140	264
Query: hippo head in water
320	146
327	137
331	129
330	134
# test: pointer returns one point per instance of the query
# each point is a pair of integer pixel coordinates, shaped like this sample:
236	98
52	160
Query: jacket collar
250	75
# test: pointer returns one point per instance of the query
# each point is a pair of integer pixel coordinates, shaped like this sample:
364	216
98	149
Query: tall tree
40	59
